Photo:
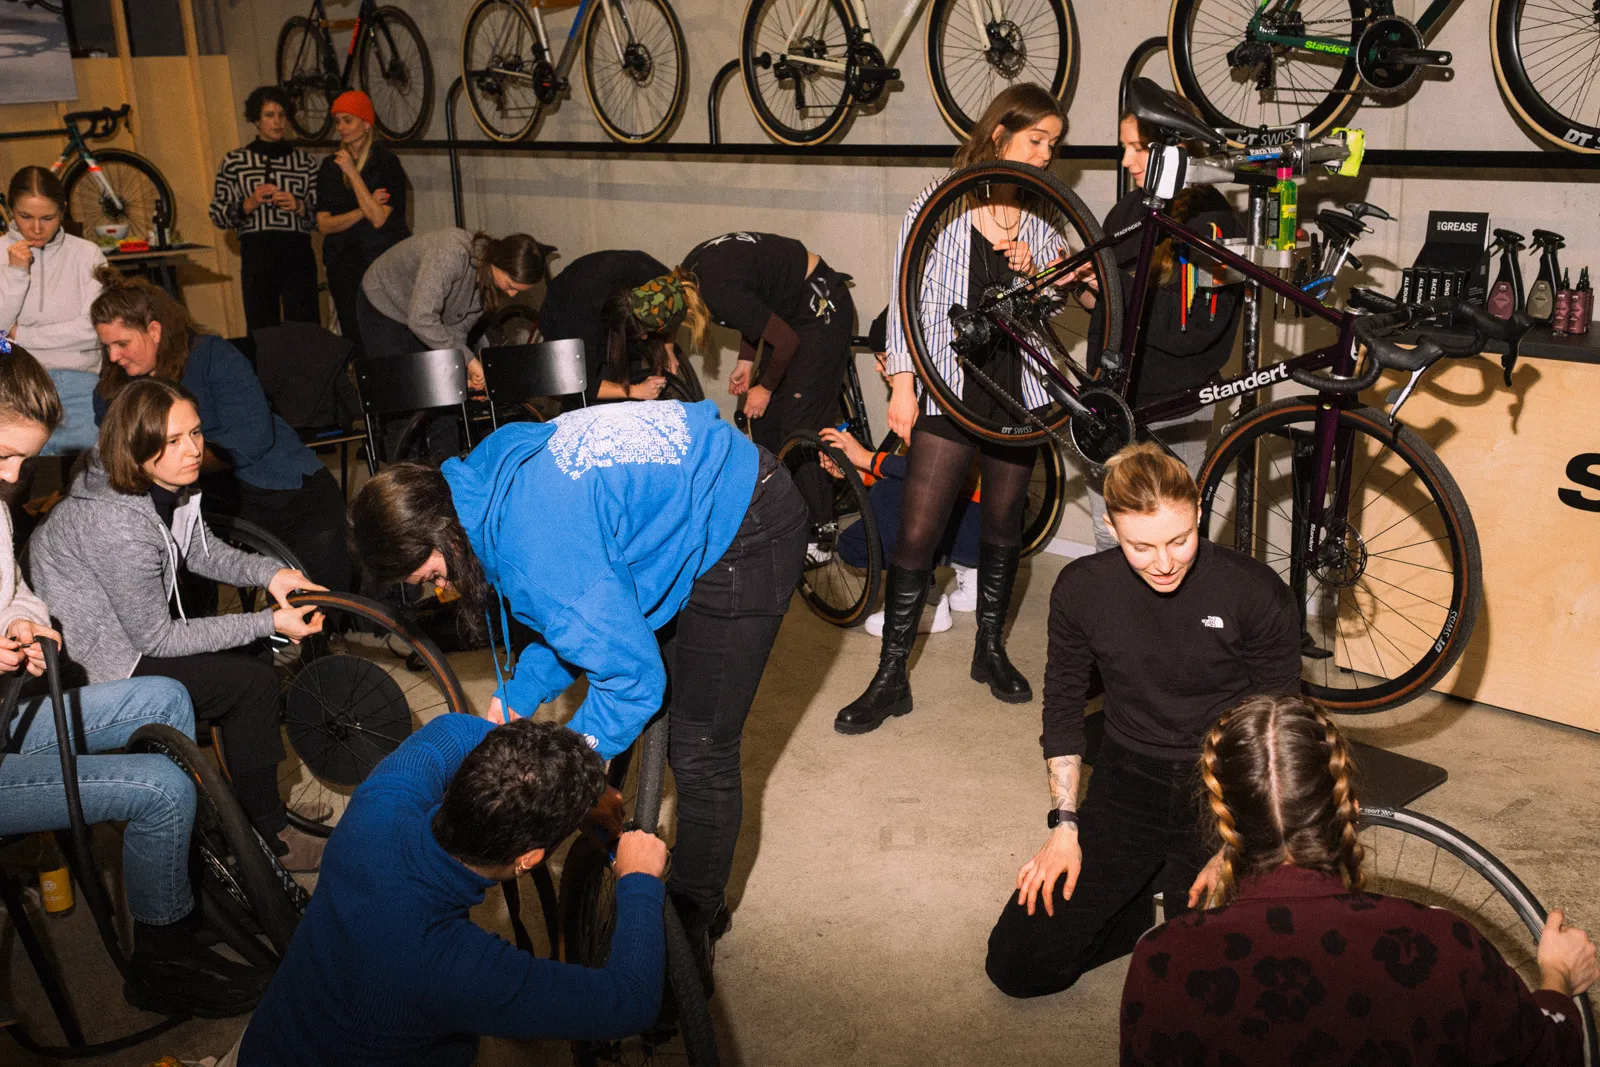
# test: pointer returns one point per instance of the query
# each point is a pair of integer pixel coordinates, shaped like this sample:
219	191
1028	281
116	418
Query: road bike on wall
110	186
1353	509
808	65
386	51
635	66
1283	62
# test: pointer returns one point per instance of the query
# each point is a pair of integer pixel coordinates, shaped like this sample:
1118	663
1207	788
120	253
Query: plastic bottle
55	880
1542	294
1288	209
1558	321
1581	310
1505	295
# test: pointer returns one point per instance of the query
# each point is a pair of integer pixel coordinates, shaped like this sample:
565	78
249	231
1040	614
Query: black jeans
275	267
715	651
1140	835
808	396
310	520
238	693
383	336
344	289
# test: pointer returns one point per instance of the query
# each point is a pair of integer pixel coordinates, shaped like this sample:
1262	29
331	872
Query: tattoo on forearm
1064	771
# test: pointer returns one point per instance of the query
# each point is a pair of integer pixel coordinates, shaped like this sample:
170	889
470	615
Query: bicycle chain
1016	405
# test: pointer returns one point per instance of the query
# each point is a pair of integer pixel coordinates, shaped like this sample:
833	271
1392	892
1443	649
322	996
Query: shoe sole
150	1000
892	711
982	677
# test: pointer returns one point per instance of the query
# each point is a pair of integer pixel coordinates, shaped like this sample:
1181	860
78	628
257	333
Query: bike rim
1029	44
498	72
1384	603
1043	510
394	73
994	401
1556	49
636	93
141	199
839	591
803	103
305	82
1307	86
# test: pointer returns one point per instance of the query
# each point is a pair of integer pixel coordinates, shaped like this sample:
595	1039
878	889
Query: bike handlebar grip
1510	329
1334	384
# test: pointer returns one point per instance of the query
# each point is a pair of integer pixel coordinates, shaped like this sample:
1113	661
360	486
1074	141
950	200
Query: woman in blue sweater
633	539
276	482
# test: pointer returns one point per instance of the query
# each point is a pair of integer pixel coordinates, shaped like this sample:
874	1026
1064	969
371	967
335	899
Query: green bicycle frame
1329	45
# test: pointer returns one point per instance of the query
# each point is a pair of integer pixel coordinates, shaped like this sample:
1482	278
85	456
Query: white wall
850	212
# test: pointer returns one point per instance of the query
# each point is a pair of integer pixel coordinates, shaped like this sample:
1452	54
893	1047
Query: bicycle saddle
1150	103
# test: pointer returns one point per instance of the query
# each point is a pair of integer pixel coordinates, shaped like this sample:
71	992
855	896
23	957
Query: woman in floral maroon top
1293	964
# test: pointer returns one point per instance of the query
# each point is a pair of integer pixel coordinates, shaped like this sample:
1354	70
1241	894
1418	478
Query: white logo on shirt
1212	622
612	434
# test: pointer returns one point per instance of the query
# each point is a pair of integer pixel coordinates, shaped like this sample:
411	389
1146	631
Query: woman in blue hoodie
634	539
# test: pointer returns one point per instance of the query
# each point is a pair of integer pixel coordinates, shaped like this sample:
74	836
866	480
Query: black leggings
936	469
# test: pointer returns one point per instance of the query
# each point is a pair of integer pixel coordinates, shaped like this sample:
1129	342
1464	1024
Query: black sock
167	940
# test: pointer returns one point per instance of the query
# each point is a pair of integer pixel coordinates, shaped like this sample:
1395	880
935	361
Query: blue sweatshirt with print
593	529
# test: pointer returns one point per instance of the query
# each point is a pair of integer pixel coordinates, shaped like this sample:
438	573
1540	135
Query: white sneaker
935	623
965	598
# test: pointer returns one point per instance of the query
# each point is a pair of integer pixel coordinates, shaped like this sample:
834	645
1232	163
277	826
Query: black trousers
715	652
238	693
808	396
310	520
275	267
344	287
1140	834
381	335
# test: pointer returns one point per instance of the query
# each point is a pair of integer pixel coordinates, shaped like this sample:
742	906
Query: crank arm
1414	57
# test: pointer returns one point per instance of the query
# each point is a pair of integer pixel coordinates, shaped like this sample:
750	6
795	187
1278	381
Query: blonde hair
1141	477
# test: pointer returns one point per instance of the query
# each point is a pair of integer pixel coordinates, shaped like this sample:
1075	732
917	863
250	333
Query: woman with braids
1180	630
1021	125
1294	963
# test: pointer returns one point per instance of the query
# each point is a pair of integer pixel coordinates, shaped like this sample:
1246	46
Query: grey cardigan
430	284
108	567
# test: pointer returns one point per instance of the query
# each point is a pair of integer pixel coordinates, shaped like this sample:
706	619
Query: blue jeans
148	792
77	432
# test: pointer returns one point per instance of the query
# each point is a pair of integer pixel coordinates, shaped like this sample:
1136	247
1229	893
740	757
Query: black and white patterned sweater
243	169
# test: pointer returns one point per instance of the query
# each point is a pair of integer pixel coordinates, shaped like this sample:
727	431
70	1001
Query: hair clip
5	344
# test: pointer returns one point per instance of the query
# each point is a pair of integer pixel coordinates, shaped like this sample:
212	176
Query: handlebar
102	123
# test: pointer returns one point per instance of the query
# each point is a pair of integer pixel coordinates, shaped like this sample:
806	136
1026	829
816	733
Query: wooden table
158	264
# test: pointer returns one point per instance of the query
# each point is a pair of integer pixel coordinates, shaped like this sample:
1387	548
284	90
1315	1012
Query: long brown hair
1279	788
1141	477
136	303
1190	200
26	392
520	256
628	340
37	181
1013	110
135	431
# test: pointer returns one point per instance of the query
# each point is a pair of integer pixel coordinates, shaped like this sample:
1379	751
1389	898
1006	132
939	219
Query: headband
658	304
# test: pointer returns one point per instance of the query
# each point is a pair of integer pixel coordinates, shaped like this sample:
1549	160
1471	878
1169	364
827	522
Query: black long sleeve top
1171	662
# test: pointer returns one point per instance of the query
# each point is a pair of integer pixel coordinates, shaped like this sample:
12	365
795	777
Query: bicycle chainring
868	88
1102	430
1380	35
547	84
1006	53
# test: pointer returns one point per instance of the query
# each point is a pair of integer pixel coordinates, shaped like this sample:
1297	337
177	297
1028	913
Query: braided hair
1278	789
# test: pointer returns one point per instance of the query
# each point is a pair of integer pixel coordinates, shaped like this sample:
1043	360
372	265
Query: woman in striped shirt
1022	125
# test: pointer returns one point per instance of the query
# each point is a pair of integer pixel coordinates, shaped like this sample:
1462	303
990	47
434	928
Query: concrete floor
871	868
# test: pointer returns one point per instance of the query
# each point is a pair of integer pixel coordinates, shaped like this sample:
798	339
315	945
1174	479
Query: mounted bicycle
1353	509
386	51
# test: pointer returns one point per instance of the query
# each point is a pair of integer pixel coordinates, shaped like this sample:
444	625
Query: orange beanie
354	102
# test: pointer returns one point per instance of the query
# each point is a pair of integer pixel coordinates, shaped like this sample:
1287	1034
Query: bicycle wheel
302	74
1022	41
945	323
230	860
1546	58
144	195
796	102
1389	600
497	69
635	68
1047	499
1413	856
844	560
396	73
1243	83
685	384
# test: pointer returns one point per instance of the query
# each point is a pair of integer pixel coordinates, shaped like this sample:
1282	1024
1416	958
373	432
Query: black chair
516	373
411	383
303	368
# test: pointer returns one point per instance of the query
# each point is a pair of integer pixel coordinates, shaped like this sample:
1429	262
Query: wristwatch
1058	816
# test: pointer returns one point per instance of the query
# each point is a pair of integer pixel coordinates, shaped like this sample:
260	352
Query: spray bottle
1558	322
1542	296
1505	295
1288	210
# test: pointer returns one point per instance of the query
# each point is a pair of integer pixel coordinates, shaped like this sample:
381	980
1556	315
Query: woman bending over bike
1180	629
1183	346
1346	973
1022	125
639	542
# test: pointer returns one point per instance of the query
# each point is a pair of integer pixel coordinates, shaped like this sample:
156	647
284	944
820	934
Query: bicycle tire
1059	77
307	89
837	591
226	845
596	34
831	44
486	92
684	384
396	77
145	193
1047	499
1444	628
1329	102
1576	133
1046	197
1506	886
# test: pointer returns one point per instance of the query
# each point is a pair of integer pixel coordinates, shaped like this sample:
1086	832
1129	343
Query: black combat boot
997	572
890	690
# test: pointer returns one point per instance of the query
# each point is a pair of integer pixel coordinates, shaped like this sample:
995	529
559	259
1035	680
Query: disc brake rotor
1006	53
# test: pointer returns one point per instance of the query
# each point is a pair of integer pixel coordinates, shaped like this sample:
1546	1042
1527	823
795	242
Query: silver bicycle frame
814	9
563	63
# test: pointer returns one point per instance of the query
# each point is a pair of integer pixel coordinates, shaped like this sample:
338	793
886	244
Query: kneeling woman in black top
1180	629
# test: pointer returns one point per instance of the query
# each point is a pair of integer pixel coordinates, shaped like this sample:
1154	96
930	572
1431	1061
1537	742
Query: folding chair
409	383
515	373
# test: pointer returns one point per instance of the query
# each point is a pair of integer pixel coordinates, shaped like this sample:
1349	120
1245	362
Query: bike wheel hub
637	62
1341	559
1103	429
1374	53
1006	53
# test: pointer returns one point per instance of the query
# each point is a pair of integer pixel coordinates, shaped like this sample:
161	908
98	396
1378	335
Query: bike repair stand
1384	779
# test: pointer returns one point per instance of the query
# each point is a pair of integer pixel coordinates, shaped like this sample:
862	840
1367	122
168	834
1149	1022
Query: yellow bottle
55	880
